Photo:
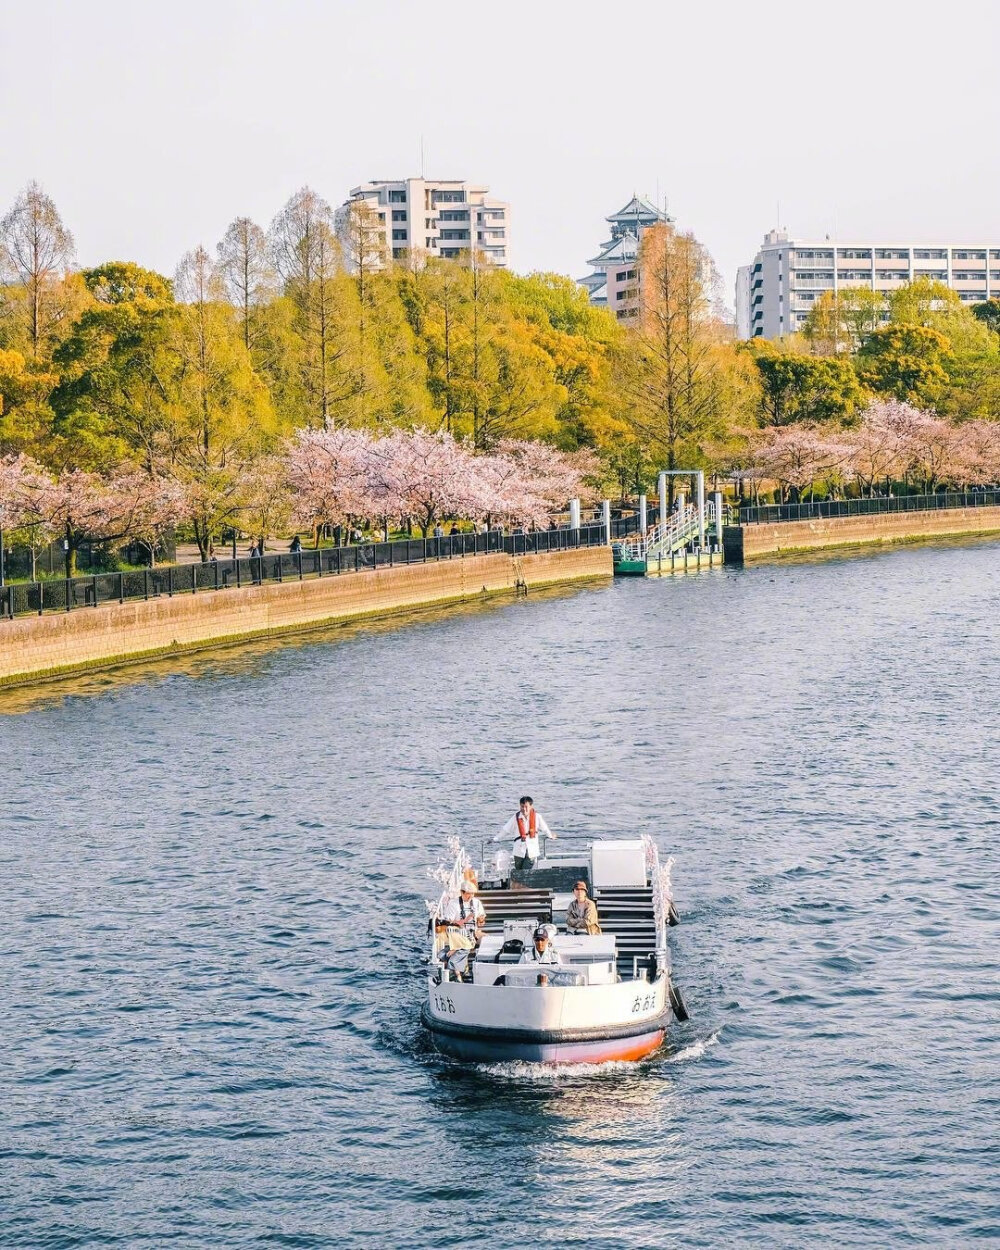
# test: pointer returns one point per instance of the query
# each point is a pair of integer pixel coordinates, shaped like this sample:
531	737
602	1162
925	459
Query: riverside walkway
781	529
193	577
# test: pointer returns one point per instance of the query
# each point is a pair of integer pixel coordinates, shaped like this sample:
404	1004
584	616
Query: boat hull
481	1045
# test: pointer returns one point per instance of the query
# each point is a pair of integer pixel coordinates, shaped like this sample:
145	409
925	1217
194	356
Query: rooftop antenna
421	157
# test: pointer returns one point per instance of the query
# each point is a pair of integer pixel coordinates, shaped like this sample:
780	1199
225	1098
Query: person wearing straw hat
460	925
581	914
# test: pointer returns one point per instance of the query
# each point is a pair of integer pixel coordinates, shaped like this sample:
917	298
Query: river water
212	875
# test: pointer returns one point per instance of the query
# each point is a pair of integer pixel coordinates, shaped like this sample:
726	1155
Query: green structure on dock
690	536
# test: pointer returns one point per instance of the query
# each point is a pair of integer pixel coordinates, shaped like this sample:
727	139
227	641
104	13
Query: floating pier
689	538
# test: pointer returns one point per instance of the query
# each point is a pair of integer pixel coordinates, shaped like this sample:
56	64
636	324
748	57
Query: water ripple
212	882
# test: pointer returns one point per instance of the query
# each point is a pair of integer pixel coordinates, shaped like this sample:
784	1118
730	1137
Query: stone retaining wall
743	543
36	646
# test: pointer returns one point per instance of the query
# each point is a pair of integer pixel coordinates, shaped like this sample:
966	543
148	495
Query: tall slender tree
677	376
36	250
246	272
307	256
224	420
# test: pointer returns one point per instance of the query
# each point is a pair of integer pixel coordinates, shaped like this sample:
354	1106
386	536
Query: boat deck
625	914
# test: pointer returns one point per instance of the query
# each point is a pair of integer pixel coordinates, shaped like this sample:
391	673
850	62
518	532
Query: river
212	873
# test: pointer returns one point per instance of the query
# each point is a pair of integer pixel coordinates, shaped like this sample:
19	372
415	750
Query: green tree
989	314
797	387
907	361
841	320
118	370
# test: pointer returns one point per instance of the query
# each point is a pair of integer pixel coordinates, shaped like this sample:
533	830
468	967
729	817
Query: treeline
197	379
317	479
878	390
199	376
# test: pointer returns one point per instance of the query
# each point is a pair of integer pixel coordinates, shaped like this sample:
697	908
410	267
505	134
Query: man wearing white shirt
541	950
524	827
460	925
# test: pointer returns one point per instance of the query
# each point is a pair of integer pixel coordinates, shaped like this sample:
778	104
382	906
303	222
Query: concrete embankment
744	543
44	646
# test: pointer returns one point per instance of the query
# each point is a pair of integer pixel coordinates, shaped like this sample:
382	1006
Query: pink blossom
798	455
429	476
330	475
21	478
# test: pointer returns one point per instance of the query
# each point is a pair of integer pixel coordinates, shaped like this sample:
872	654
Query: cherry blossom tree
975	454
268	501
156	506
551	476
331	475
337	475
879	443
429	477
525	481
797	456
928	446
20	480
20	477
83	506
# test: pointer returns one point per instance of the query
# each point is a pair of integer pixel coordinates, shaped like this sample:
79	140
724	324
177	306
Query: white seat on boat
585	947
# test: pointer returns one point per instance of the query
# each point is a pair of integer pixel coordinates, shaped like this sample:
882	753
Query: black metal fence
768	513
66	594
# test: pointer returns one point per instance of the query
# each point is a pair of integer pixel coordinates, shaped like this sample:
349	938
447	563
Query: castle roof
617	251
639	210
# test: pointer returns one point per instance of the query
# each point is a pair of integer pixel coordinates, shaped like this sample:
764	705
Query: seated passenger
541	951
581	914
460	924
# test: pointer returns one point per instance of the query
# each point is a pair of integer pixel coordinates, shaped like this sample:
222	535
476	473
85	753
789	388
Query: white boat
611	996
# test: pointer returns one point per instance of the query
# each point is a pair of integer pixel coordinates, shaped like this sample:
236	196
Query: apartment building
776	292
614	282
420	217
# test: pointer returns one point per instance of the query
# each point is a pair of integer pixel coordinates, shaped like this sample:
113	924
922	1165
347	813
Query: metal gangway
680	528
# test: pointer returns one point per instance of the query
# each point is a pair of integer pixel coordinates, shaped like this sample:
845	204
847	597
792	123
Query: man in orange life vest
524	827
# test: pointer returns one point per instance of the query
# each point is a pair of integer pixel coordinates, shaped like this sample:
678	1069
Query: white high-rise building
776	292
421	217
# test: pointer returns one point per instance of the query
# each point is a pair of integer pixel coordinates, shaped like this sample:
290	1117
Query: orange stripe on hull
628	1049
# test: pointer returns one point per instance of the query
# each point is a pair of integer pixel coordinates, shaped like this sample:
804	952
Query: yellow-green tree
25	414
223	419
36	251
839	321
935	306
581	341
680	381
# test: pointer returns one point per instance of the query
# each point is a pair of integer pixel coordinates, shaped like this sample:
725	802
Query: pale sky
153	125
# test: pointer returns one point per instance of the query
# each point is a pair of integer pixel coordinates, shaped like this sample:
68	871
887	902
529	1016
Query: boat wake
695	1051
553	1073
